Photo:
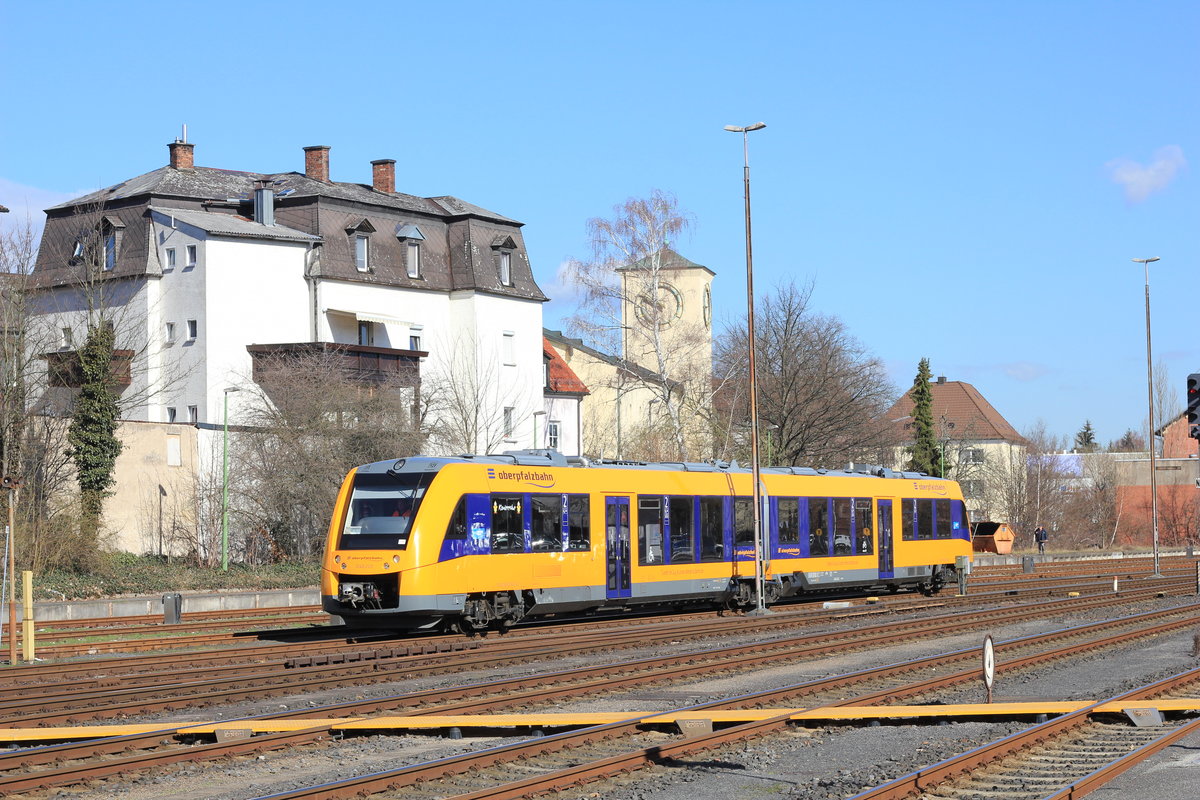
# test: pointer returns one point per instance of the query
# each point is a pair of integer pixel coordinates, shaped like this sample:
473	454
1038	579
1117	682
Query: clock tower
667	318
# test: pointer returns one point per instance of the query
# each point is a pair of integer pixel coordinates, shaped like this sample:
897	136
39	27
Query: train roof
553	458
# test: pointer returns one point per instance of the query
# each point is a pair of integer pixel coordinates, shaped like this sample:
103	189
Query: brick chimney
383	175
181	155
316	162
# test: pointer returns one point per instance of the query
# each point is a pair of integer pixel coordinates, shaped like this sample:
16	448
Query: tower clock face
660	310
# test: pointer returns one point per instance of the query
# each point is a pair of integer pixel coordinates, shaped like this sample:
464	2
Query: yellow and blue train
477	542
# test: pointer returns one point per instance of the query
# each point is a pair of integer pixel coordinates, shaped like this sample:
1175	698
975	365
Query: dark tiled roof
962	404
669	260
560	377
209	183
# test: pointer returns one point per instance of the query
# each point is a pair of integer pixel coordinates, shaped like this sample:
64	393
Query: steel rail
771	695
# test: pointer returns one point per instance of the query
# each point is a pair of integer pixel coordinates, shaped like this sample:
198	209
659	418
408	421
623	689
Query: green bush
118	574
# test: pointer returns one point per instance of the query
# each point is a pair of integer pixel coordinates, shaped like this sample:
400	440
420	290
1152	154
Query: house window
509	349
414	259
508	422
972	490
506	268
362	253
552	437
171	413
110	251
78	251
68	340
170	332
190	263
414	342
971	455
193	413
193	329
170	258
366	333
174	452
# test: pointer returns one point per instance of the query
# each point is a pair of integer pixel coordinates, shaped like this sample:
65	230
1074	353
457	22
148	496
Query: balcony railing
358	362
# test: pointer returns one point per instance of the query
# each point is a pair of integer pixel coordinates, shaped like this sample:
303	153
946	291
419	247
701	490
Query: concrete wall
141	517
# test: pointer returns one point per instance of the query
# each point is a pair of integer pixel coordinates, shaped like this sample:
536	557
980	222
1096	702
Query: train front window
382	510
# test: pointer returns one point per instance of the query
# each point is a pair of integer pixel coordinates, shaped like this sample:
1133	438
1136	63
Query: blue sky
963	181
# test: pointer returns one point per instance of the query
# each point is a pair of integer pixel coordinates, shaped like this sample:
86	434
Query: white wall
255	293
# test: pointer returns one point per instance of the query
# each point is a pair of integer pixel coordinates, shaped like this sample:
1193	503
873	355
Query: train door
616	527
884	512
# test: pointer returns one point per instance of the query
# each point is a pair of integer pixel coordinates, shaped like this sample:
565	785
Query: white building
206	273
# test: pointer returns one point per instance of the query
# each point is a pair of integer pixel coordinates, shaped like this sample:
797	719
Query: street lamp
225	484
1146	262
759	605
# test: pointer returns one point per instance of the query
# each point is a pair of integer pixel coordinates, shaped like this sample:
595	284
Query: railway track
97	638
897	681
1067	757
114	693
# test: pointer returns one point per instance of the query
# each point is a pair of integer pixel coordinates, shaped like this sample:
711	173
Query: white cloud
1024	370
1140	181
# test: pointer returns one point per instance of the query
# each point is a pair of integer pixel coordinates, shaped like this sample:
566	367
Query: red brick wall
1176	442
1178	515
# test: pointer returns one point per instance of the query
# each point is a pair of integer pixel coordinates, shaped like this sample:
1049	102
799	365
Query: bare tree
628	305
1029	485
821	395
469	406
310	420
32	446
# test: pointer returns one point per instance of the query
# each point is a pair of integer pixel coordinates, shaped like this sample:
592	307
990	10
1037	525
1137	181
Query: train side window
942	518
907	510
818	521
650	539
924	519
457	529
683	542
863	540
712	528
789	520
508	524
545	529
842	543
960	516
743	521
579	536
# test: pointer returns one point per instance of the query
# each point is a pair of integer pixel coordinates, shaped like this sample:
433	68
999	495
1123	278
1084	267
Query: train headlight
395	559
387	565
337	559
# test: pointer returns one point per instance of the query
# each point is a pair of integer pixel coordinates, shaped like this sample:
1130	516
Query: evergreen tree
1085	439
94	446
924	455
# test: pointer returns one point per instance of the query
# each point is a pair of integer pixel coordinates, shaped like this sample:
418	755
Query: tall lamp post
225	484
1146	262
759	604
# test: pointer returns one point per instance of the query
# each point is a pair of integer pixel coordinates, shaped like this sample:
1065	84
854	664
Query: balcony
64	370
356	362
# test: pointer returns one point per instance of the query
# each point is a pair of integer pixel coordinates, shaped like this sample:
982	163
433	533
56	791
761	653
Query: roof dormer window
410	237
360	242
503	246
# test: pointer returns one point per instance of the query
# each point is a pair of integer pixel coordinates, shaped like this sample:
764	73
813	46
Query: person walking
1040	536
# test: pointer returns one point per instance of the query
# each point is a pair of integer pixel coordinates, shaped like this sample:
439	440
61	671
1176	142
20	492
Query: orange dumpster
992	537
